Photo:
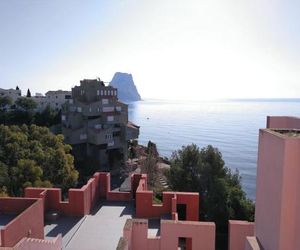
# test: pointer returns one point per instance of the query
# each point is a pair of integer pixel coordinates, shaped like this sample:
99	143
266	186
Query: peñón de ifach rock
127	91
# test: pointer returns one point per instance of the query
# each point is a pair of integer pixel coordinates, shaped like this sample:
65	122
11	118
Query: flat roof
101	229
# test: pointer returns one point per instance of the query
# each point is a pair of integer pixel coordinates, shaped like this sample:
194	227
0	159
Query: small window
104	92
110	118
101	92
97	92
83	137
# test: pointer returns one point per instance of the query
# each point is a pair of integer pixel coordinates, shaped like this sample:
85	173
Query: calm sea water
231	126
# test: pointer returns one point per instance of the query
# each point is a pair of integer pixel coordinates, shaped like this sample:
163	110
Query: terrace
101	229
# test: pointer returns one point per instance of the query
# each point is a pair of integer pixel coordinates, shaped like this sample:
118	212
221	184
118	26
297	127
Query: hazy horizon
175	50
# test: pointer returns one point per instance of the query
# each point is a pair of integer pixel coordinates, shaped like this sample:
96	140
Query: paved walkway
103	228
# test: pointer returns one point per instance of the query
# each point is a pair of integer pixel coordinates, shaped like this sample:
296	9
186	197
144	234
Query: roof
132	125
58	92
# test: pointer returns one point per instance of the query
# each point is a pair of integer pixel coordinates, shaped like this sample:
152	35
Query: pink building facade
277	219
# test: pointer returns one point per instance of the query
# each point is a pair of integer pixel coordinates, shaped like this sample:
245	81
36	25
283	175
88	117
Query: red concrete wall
286	122
37	244
30	223
238	232
119	196
202	234
146	209
9	205
269	189
80	202
278	194
139	234
192	205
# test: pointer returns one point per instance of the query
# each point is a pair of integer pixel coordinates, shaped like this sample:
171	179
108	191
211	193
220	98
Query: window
104	101
79	109
98	126
83	137
90	109
108	109
110	118
104	92
101	92
108	136
119	108
63	117
115	93
97	92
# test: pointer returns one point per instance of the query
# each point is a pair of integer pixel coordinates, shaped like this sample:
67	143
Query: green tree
5	101
28	93
25	104
220	191
47	117
32	156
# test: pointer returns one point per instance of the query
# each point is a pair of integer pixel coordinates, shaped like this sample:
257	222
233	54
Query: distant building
96	124
41	101
14	94
55	99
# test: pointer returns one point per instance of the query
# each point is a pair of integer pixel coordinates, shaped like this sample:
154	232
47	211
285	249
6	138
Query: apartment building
14	94
55	99
96	124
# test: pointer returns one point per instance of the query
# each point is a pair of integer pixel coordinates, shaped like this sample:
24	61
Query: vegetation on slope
24	112
221	195
33	156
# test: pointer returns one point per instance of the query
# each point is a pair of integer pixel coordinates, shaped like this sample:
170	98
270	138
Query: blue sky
175	49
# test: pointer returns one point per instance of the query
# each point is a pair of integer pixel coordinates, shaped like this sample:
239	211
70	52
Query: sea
230	125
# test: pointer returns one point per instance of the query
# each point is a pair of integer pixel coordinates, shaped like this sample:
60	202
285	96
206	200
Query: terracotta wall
201	235
278	194
283	122
146	209
109	195
238	232
38	244
10	205
29	223
80	201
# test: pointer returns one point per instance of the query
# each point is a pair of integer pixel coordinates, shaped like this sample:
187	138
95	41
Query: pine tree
28	93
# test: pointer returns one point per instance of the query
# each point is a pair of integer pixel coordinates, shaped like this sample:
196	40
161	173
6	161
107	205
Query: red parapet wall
36	244
200	235
29	223
9	205
238	232
80	202
284	122
146	209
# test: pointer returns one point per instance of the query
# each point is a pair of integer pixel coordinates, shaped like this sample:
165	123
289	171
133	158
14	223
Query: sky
175	49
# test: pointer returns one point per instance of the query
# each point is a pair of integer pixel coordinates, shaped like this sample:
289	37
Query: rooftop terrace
101	229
